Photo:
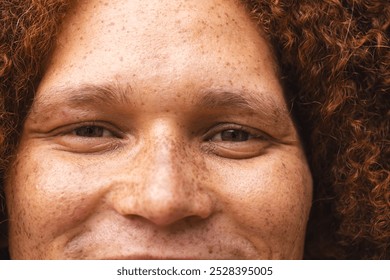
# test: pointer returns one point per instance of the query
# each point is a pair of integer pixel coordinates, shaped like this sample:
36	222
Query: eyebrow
84	94
246	100
209	99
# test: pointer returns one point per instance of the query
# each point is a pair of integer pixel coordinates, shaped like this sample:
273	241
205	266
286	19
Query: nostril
162	211
173	225
170	217
165	199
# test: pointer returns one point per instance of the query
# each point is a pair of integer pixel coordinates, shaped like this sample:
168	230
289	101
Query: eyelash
91	129
233	129
219	128
106	127
239	142
224	127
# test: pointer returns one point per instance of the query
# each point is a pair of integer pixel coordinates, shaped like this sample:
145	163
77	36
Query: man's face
159	130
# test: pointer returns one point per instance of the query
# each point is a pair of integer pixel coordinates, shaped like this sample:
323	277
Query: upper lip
128	239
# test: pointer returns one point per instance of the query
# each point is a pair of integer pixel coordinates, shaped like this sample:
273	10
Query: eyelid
256	133
257	145
66	140
70	128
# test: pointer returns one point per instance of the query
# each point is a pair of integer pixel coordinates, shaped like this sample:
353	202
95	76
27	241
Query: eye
92	131
232	135
89	137
235	141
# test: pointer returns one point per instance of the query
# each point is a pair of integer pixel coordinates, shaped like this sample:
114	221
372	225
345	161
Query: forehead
158	21
159	38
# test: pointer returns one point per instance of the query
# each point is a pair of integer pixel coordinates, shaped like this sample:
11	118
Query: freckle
111	24
84	57
81	38
123	27
121	58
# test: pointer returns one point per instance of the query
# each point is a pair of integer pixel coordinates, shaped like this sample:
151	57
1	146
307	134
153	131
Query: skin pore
159	131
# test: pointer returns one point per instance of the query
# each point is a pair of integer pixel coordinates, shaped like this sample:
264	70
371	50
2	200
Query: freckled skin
162	189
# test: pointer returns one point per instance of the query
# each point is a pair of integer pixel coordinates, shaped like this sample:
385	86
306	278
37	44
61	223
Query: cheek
44	197
268	199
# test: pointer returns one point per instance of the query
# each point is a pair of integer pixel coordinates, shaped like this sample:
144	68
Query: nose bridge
168	190
169	169
165	151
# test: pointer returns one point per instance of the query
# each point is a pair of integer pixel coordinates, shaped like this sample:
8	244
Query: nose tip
162	208
162	184
164	211
163	194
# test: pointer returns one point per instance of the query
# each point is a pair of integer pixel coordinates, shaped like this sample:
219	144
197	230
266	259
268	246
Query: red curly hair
334	58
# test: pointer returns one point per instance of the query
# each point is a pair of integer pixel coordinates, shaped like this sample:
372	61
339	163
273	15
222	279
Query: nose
164	186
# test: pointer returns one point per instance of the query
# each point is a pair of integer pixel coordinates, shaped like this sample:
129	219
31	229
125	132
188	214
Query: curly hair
334	57
27	30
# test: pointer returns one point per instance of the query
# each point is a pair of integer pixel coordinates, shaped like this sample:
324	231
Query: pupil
89	131
234	135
